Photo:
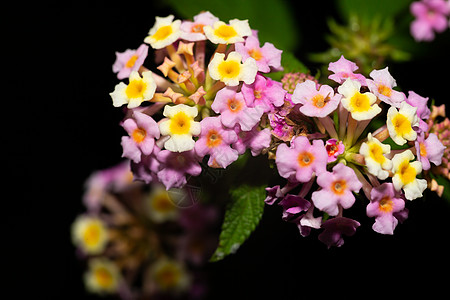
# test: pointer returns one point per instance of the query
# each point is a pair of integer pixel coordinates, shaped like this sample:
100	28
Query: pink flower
302	159
193	31
429	150
316	103
335	228
130	60
381	86
343	69
430	16
266	56
384	204
175	166
147	168
255	140
215	140
264	92
423	112
281	129
234	110
293	205
142	131
334	149
337	188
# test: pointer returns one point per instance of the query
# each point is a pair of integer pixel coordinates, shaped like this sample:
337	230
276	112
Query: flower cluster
142	241
431	16
212	103
345	154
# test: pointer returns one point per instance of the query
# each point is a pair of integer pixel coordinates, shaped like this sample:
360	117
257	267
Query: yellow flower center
168	276
255	53
138	135
229	69
136	89
305	159
213	139
234	105
131	61
384	90
91	235
225	32
360	102
103	277
386	204
162	203
423	149
407	172
401	124
180	123
162	33
338	187
197	28
319	100
376	153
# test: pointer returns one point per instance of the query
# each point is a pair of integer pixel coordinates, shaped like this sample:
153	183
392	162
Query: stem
382	135
352	123
329	126
200	53
367	187
343	116
359	129
306	187
214	89
175	57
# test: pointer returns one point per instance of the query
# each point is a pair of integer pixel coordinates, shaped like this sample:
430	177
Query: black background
63	126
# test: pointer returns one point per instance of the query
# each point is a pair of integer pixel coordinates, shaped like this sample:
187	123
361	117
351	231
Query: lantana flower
337	187
215	140
343	69
142	131
302	159
180	127
175	166
164	32
361	106
335	228
385	202
334	149
423	112
130	60
139	89
161	206
103	276
429	150
230	70
430	16
263	92
316	103
193	31
382	86
169	275
266	56
90	234
255	140
400	123
405	173
374	155
234	110
222	33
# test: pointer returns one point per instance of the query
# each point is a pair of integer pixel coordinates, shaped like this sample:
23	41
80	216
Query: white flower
400	123
170	275
138	90
180	127
102	277
164	32
231	71
221	33
373	151
405	175
361	106
161	205
90	234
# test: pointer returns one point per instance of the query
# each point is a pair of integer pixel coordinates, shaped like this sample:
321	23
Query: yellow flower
180	127
90	234
373	151
405	175
361	106
102	277
138	90
164	32
170	275
400	123
231	71
161	204
221	33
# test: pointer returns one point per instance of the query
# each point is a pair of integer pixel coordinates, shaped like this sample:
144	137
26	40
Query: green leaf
241	217
369	9
274	19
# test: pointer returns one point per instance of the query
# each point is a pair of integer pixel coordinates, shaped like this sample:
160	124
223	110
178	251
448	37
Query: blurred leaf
369	9
243	213
446	183
273	19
